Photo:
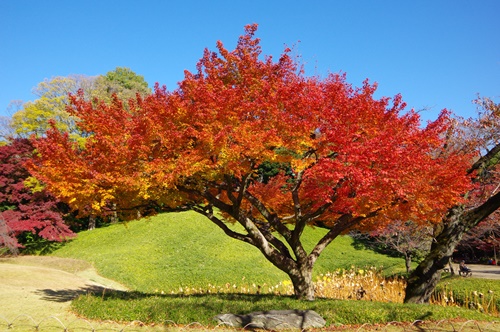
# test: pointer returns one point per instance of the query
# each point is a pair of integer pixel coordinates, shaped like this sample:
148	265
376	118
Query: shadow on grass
107	304
66	295
365	243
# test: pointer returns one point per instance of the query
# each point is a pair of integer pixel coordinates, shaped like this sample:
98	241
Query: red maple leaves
349	153
23	209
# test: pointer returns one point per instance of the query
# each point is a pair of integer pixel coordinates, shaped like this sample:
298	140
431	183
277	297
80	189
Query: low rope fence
54	324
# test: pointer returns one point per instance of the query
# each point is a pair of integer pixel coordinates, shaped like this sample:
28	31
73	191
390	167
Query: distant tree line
31	218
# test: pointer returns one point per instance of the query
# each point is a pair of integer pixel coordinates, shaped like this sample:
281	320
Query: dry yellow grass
362	284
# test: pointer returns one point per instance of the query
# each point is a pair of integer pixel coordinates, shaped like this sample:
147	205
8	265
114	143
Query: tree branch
265	230
215	201
259	240
272	218
476	215
207	211
485	160
242	190
300	222
343	223
322	209
319	211
229	188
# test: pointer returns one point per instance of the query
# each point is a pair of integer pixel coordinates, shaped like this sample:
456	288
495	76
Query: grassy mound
174	250
159	256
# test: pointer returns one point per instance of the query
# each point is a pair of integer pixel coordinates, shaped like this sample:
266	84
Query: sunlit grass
182	268
470	293
179	250
338	301
202	308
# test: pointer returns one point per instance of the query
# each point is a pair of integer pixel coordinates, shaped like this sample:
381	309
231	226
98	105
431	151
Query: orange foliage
349	154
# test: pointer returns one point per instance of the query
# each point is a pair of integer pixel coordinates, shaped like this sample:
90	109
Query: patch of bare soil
41	288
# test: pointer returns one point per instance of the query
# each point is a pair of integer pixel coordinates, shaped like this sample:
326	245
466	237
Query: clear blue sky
437	54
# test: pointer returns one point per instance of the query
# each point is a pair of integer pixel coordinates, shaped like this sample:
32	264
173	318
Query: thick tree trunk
302	283
423	280
287	253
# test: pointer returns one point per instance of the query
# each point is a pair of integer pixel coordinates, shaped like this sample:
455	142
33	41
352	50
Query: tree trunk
91	222
408	262
303	285
423	280
114	214
7	237
494	252
450	266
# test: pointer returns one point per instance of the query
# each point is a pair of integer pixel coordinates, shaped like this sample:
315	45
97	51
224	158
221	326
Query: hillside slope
175	250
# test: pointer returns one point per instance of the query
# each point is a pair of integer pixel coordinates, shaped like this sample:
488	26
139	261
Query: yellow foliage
35	185
96	206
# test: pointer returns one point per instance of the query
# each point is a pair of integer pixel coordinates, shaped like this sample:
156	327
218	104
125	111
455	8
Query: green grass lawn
161	309
175	250
169	251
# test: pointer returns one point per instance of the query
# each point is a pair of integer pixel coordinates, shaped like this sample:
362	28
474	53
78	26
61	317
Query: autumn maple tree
24	208
344	159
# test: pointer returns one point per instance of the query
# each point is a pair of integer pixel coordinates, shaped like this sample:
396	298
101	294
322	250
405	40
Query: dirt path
40	289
